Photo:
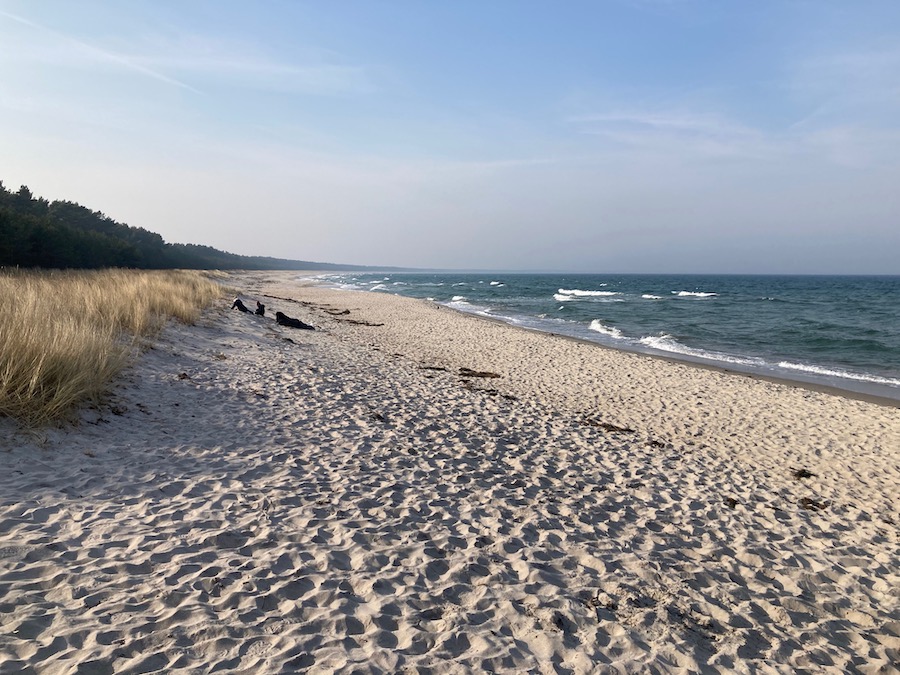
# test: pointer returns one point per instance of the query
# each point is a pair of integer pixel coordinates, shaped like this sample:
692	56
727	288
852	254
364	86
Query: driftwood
359	323
607	426
468	372
284	320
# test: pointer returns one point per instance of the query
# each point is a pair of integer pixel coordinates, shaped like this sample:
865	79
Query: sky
671	136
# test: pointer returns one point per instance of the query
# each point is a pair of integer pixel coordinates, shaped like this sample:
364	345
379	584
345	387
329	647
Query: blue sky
614	135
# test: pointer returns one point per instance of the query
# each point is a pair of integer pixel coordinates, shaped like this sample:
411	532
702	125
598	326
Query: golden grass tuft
64	335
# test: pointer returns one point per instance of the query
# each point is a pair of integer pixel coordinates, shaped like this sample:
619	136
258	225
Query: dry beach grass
65	335
410	490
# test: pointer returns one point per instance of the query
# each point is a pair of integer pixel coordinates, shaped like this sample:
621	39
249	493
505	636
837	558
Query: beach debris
360	323
284	320
183	376
607	426
811	504
468	372
731	501
441	368
799	474
490	391
298	302
337	312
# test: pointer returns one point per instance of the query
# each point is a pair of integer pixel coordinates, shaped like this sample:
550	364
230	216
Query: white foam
378	287
497	283
827	372
458	298
611	331
578	293
468	307
693	294
663	342
559	297
667	343
648	296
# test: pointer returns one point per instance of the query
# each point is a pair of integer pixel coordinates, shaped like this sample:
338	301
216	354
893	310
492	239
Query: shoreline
405	489
811	386
875	392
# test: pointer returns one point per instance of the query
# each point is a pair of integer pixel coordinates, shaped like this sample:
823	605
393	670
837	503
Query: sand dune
258	499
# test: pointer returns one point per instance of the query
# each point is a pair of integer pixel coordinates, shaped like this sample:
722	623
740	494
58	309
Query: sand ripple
325	504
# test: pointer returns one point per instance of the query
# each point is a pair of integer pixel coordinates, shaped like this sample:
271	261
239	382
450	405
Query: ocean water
838	331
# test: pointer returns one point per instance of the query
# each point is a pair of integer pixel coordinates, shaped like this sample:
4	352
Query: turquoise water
837	331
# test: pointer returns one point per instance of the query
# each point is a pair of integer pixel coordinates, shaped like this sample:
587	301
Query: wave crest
694	294
610	331
578	293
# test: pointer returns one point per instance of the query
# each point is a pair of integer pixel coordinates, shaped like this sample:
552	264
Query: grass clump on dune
64	335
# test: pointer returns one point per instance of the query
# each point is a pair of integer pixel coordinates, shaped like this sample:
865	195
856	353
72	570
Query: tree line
35	232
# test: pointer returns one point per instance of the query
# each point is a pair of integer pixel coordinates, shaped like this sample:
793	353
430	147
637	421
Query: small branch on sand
468	372
607	426
360	323
811	504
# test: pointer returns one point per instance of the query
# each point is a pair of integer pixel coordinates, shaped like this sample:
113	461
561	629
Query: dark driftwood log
468	372
283	320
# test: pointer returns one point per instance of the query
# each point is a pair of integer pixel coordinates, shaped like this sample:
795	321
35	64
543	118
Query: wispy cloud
860	86
256	72
663	120
676	133
186	59
251	65
102	54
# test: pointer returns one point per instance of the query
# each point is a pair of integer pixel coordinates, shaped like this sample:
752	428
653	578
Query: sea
836	331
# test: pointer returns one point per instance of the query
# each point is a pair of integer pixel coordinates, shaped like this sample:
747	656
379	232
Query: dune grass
64	335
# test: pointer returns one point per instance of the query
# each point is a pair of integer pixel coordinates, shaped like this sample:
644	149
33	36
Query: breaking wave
611	331
694	294
585	294
828	372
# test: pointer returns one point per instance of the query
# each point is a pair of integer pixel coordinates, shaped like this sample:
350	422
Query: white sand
259	499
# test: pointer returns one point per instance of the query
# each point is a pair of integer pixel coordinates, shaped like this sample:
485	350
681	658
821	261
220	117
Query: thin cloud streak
104	54
256	73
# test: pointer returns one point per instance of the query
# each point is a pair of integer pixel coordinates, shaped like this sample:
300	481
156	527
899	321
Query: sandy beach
407	489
